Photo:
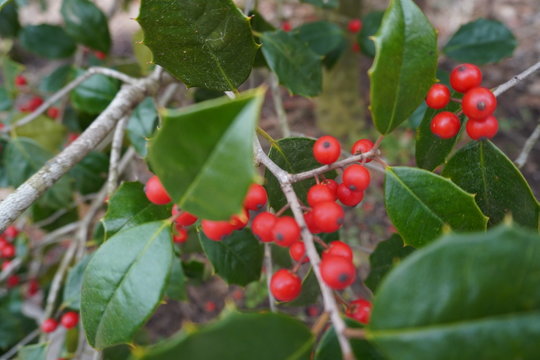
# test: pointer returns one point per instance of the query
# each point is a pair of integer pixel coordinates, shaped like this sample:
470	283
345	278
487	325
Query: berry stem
283	209
320	324
456	100
319	241
355	333
269	271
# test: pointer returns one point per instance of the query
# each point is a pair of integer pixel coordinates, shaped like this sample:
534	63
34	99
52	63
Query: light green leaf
48	133
33	352
421	204
203	43
203	154
404	65
467	297
141	125
124	283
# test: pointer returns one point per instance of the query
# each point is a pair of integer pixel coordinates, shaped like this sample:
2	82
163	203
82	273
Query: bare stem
26	194
67	89
529	144
116	150
330	304
516	79
269	271
278	106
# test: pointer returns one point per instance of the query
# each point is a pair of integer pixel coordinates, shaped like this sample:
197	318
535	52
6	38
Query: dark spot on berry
326	144
481	105
462	68
343	278
279	236
260	206
352	188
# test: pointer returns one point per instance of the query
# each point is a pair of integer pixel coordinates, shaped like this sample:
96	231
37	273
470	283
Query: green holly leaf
371	22
9	21
48	133
124	283
297	67
141	125
71	298
480	42
322	37
203	154
238	337
421	204
404	66
129	207
205	44
48	41
466	296
87	24
310	291
293	155
56	79
483	169
325	4
237	258
176	285
387	255
93	95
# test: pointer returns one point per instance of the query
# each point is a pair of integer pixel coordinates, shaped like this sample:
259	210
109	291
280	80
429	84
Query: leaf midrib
378	334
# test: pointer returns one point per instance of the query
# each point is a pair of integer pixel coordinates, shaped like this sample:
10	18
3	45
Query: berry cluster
35	101
7	252
478	104
69	320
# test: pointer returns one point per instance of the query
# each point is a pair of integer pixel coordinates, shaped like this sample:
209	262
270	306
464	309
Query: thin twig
116	149
168	94
10	269
269	271
27	339
516	79
329	302
278	106
67	89
26	194
355	333
529	144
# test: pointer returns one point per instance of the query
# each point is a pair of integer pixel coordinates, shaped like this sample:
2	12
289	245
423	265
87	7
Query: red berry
359	310
328	216
8	251
312	310
240	221
70	319
285	285
20	80
337	272
216	230
286	26
49	325
354	26
286	231
332	185
181	235
479	103
311	224
12	281
465	77
326	150
11	232
183	218
362	146
445	125
34	103
33	287
339	248
356	47
348	197
262	226
438	96
53	112
298	252
486	128
155	192
319	193
356	177
72	137
100	55
256	197
210	306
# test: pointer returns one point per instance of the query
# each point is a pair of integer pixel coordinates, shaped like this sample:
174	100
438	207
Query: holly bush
133	183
